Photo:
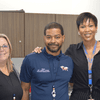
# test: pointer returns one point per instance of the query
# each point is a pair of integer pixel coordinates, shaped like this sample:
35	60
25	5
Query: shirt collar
80	45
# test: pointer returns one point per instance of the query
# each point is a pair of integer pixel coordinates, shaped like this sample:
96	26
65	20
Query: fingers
37	50
40	48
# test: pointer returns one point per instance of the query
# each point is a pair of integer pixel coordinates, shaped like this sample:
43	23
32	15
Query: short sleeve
26	71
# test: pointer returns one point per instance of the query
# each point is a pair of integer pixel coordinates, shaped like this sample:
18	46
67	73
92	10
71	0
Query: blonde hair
9	62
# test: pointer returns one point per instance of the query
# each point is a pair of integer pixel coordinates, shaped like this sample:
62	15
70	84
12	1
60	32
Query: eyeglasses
4	46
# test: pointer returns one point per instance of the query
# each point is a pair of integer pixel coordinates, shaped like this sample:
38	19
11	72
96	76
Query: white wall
53	6
17	63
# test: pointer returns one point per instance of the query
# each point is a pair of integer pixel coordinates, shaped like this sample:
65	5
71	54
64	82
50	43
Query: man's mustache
50	44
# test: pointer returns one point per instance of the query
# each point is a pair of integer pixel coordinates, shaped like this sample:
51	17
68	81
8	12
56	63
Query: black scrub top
80	73
10	85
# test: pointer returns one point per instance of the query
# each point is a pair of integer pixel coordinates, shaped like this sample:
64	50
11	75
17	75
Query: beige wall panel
13	27
34	30
70	29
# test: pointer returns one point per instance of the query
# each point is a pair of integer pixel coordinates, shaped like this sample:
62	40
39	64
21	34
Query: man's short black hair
85	16
53	25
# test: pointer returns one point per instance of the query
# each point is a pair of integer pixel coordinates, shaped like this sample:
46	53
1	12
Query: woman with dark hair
86	55
10	87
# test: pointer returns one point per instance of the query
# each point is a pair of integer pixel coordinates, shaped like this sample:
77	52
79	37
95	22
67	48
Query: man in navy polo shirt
48	72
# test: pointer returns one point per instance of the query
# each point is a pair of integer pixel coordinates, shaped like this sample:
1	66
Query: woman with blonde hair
10	86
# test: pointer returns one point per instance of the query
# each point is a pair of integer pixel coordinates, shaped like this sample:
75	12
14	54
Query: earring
78	33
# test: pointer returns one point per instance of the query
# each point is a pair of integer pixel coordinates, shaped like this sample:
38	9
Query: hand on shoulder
37	50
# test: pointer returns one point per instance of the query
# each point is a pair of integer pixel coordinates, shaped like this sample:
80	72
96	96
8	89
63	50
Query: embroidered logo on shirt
43	70
64	68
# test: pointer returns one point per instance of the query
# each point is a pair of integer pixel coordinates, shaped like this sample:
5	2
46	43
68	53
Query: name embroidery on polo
64	68
43	70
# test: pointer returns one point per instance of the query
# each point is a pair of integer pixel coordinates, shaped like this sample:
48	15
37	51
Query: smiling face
4	50
53	40
87	30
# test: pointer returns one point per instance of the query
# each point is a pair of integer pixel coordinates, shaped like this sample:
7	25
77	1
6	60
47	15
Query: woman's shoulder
73	47
98	46
76	46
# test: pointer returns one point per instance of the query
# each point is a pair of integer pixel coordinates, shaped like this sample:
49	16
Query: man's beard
54	51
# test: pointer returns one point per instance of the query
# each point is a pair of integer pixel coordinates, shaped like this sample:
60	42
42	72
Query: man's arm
71	84
25	87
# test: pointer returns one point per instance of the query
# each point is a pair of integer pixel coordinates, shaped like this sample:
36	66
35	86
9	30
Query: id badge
53	93
90	99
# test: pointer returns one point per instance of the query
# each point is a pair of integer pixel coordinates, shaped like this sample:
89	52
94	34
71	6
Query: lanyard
90	61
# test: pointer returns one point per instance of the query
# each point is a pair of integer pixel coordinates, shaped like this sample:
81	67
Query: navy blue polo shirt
43	71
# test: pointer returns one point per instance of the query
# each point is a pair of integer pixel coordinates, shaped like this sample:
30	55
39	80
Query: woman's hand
37	50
